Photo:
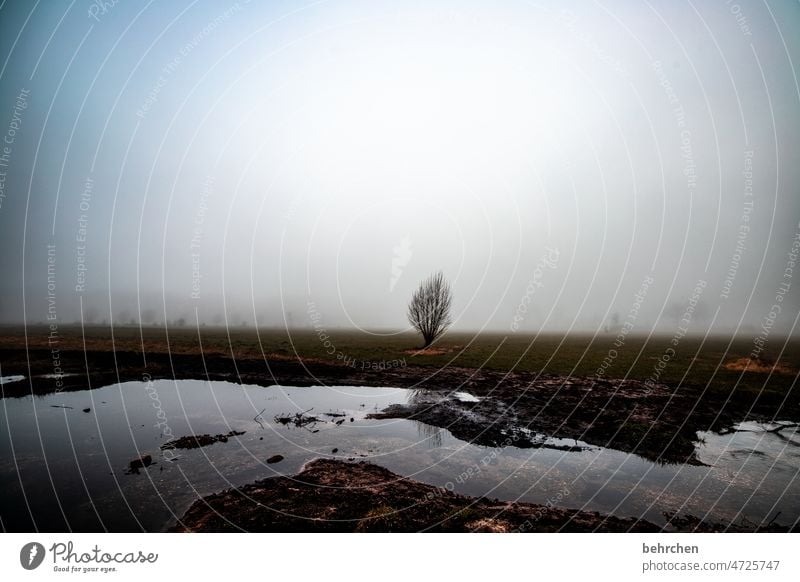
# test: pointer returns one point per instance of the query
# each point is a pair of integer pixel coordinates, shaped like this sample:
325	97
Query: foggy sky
237	163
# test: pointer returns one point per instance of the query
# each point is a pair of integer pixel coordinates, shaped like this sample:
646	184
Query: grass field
696	360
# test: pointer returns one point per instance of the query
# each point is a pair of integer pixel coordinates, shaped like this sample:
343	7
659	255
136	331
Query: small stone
87	409
335	451
274	459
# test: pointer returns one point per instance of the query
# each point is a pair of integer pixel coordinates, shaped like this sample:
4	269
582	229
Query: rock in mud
197	441
140	463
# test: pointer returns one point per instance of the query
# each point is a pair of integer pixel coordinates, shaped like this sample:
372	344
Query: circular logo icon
31	555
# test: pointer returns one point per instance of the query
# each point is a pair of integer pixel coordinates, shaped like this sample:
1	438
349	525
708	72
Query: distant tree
429	309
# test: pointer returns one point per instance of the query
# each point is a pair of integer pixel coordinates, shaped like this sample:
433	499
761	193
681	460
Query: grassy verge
695	361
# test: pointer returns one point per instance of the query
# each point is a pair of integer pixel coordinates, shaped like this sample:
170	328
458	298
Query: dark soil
334	496
197	441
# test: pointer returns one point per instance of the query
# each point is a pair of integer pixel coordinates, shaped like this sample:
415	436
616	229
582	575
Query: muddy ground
658	423
334	496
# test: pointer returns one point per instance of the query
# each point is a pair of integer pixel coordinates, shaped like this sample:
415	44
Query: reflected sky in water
63	468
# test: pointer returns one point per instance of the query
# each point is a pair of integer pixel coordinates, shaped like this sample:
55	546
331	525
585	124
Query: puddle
68	464
10	379
465	397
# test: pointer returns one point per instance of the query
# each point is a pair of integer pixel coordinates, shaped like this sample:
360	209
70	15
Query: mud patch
432	351
758	365
334	496
197	441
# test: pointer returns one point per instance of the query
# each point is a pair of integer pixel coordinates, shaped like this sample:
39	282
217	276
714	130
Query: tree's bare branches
429	309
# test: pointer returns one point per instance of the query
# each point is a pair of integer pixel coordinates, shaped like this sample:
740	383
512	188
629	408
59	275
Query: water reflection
68	465
431	435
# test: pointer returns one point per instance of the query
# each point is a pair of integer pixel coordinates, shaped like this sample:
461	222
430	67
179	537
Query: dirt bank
333	496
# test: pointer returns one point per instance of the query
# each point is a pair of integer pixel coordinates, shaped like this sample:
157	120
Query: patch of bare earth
432	351
758	365
334	496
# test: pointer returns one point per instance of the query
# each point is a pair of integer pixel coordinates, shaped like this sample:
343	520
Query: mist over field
569	167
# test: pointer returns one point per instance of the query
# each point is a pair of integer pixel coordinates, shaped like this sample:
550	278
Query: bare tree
429	310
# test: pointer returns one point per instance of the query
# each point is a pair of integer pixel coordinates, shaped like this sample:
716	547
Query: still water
64	468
